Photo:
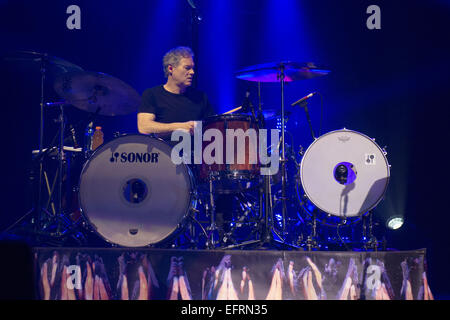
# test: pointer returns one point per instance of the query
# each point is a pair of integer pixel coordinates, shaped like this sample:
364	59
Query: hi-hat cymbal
271	72
97	92
52	65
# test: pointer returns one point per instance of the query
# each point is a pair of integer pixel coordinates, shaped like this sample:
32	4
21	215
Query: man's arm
148	125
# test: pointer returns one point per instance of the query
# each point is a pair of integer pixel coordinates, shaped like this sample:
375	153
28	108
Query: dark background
390	84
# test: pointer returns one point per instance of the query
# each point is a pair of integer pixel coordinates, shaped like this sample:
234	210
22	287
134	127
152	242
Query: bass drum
132	194
344	174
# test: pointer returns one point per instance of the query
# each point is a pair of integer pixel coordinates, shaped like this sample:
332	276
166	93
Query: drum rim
233	174
191	203
388	167
234	116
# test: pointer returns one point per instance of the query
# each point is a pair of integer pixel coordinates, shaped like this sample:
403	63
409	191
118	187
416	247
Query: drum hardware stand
267	238
58	212
58	179
370	242
266	206
210	243
266	217
238	223
192	231
61	165
38	221
344	222
311	242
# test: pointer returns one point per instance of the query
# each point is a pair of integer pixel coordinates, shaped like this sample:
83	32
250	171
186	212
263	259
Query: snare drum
132	194
237	175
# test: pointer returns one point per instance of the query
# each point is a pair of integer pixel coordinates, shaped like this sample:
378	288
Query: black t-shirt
170	107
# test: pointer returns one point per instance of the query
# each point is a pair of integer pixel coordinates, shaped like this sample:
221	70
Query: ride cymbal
97	92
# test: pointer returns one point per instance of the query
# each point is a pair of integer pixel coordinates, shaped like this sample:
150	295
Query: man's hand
188	126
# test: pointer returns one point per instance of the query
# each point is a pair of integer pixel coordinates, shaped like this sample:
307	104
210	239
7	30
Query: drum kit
131	194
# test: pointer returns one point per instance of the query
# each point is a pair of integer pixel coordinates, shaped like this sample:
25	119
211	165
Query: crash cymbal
97	92
271	72
53	66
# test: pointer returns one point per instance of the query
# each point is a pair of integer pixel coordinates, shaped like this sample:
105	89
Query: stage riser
85	273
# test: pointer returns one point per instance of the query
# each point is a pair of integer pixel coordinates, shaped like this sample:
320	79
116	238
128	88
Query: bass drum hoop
342	219
191	204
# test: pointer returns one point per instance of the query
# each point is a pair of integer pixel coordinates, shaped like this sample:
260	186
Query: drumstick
233	110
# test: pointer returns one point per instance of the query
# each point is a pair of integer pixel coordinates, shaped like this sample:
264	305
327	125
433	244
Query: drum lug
194	194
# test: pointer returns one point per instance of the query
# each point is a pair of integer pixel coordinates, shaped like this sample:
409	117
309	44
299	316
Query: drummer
174	105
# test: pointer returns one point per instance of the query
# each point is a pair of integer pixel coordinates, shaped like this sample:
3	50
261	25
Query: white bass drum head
344	173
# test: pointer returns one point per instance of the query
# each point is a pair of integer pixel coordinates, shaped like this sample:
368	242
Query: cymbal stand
36	218
59	176
268	230
41	143
61	165
283	153
39	219
265	191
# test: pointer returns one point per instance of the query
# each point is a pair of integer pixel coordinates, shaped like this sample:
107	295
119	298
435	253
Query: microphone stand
195	23
304	105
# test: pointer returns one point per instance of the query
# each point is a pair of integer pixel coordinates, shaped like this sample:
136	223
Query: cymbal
97	92
54	66
271	72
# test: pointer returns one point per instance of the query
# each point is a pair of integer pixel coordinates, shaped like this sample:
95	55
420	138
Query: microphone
74	137
303	99
341	174
246	103
195	10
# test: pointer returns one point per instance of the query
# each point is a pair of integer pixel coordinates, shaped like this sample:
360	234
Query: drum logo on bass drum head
135	157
